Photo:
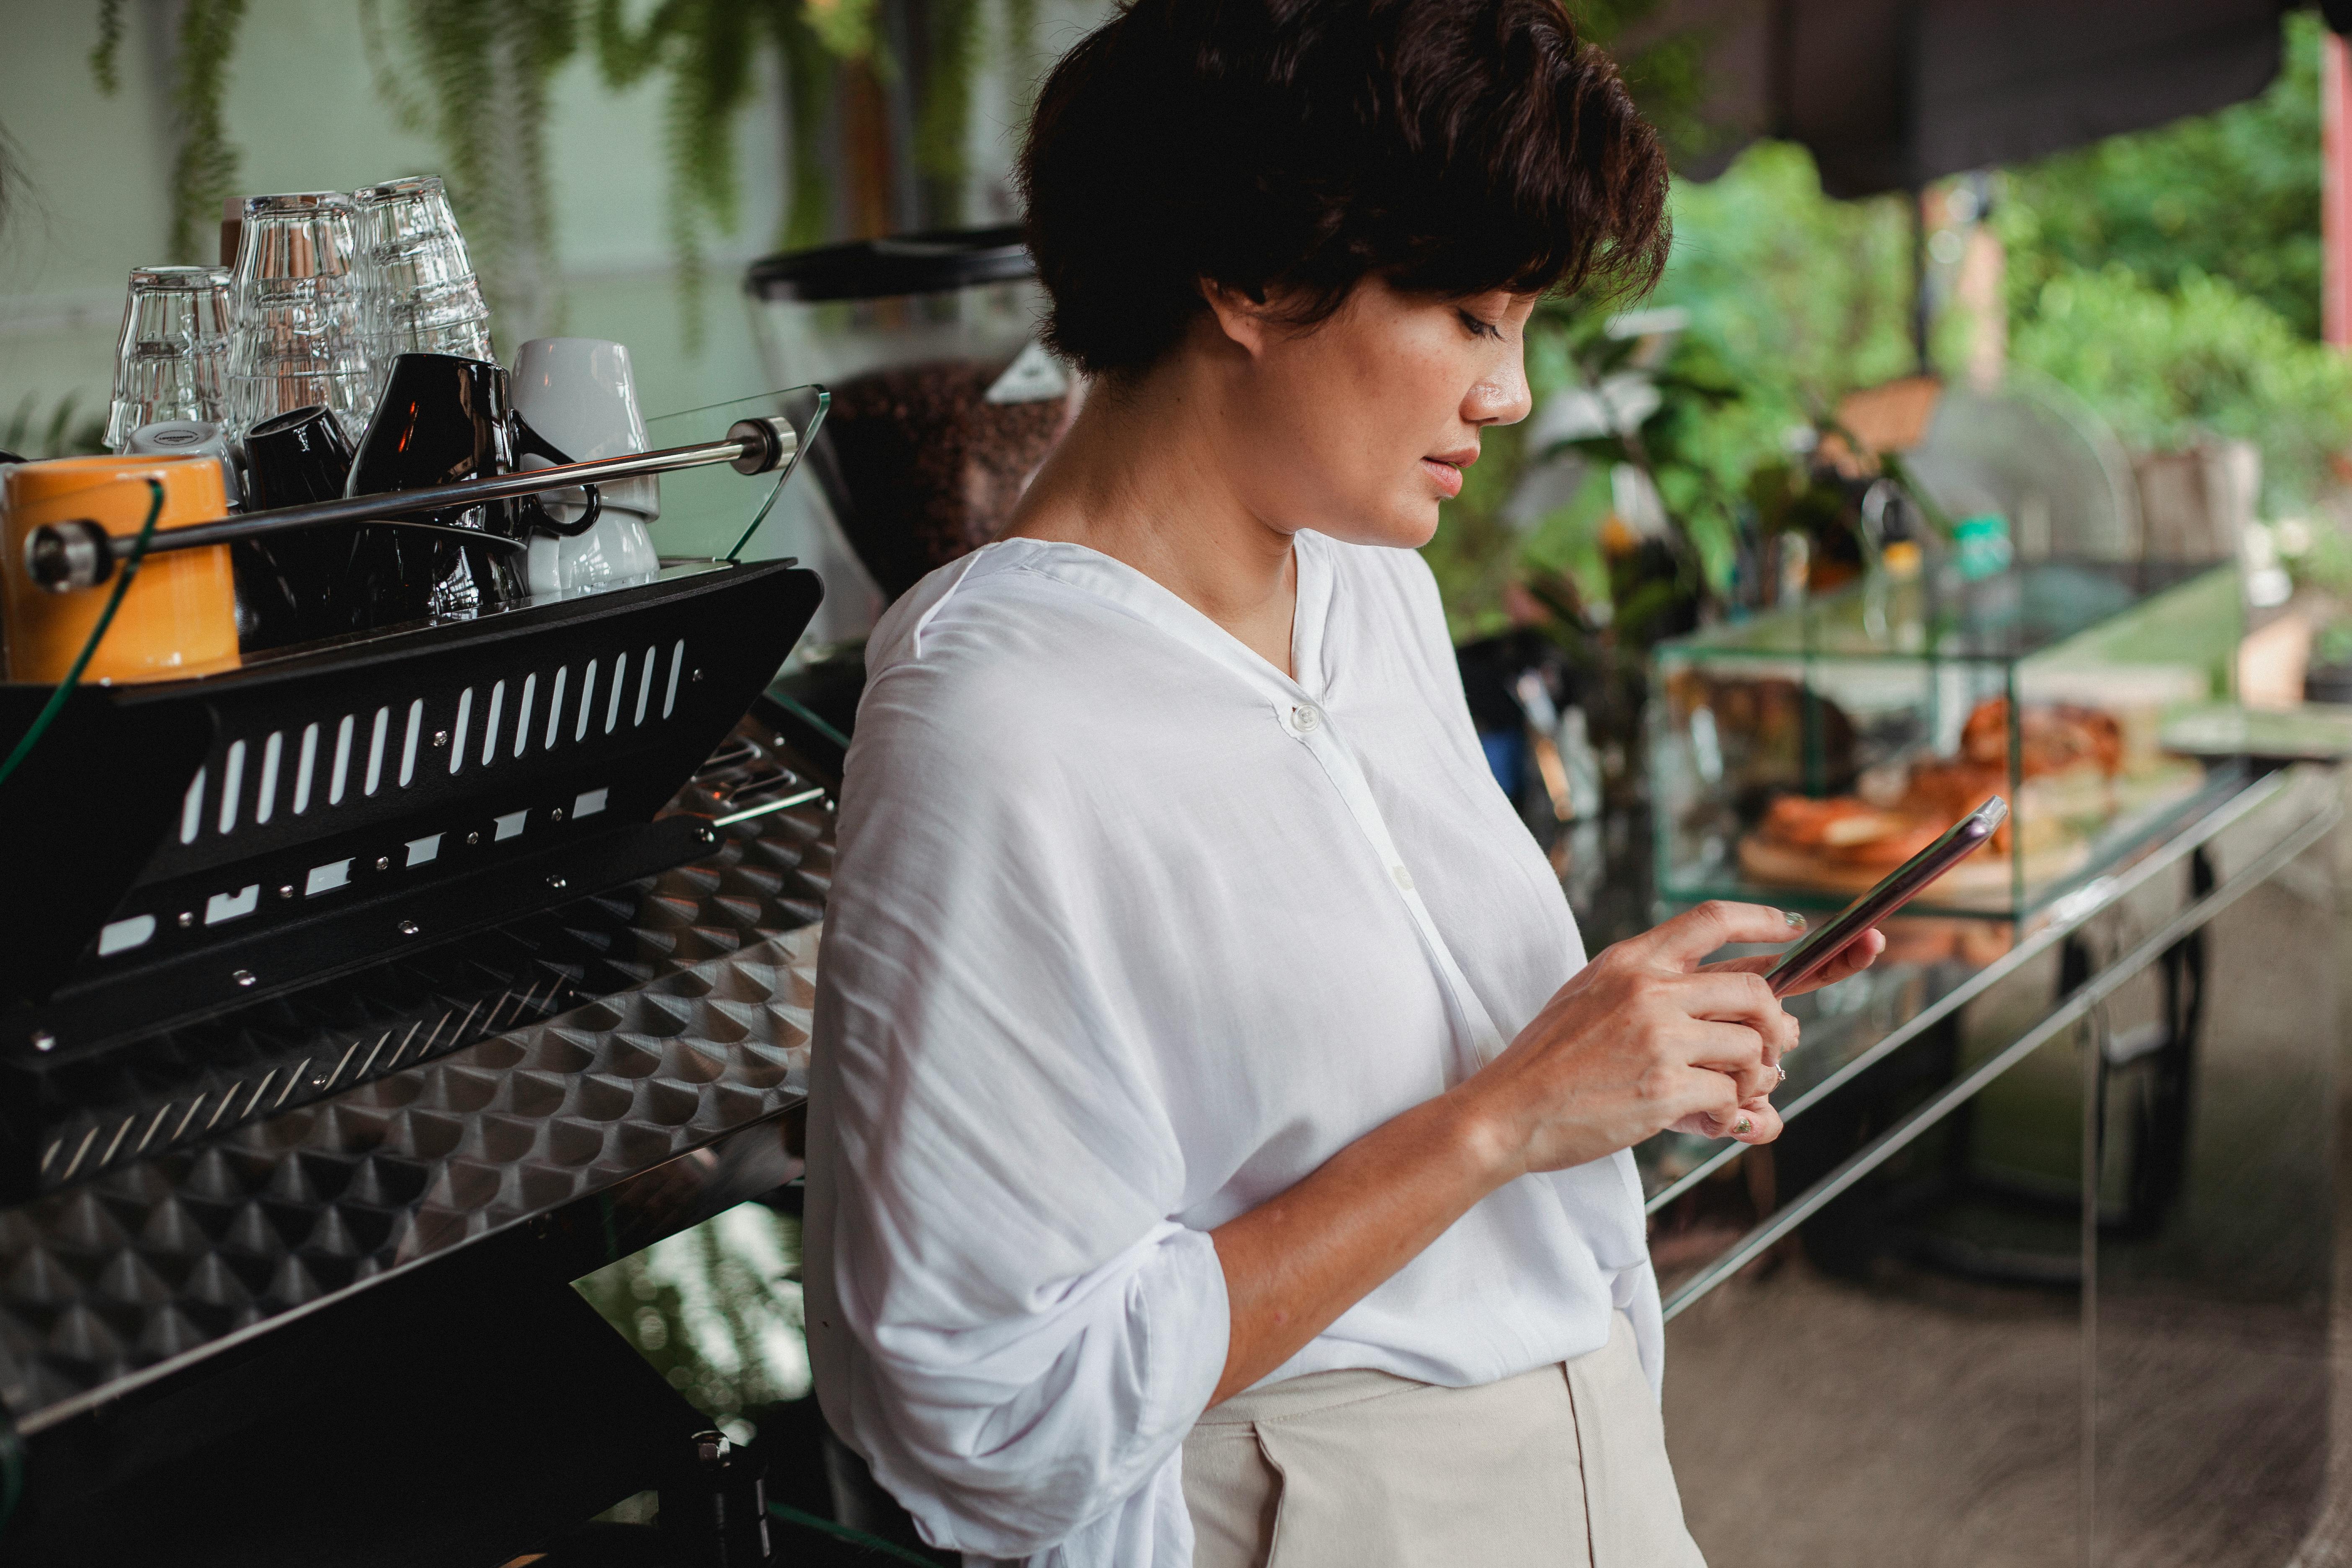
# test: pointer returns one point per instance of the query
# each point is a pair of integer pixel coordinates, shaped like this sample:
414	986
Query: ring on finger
1782	1072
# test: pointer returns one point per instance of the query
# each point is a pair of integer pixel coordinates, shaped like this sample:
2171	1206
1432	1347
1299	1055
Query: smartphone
1905	882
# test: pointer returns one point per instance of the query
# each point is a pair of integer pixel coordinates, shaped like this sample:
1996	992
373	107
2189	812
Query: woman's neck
1142	477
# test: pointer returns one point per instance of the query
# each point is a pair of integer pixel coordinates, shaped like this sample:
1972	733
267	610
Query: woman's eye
1479	327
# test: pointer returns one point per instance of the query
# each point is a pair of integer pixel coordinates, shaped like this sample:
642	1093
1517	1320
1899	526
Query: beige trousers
1564	1466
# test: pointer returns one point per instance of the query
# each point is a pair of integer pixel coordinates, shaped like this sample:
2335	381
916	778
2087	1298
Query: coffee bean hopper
179	849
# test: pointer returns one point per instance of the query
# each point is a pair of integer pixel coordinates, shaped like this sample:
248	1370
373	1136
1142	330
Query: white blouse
1128	934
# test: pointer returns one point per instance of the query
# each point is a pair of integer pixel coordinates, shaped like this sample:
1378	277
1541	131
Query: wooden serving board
1980	882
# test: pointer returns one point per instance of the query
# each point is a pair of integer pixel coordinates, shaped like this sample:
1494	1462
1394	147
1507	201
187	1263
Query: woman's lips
1448	477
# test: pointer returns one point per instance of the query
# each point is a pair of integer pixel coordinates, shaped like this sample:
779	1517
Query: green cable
105	619
856	1538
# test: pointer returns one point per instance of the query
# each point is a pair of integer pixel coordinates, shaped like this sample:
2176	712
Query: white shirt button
1403	878
1306	719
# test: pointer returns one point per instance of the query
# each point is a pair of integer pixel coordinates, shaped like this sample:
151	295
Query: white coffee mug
579	395
187	438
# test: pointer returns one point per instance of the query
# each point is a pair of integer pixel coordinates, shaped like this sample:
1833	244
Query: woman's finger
1690	936
1752	1121
1738	996
1737	1052
1851	960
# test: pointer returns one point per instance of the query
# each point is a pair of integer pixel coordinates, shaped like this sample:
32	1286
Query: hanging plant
707	49
952	39
204	168
486	66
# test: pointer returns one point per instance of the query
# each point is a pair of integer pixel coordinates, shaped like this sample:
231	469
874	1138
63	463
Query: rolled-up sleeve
1005	1320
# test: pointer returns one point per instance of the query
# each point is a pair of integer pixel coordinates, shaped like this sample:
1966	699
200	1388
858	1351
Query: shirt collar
1091	572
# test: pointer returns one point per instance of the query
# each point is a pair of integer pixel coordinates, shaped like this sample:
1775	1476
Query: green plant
58	434
2164	365
484	67
204	167
707	50
2232	195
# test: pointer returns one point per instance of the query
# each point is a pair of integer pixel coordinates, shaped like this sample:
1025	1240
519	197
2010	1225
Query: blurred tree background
2171	278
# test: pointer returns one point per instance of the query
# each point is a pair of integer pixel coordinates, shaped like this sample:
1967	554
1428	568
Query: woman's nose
1502	398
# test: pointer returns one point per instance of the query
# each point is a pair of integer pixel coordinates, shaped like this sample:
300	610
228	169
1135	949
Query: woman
1219	1141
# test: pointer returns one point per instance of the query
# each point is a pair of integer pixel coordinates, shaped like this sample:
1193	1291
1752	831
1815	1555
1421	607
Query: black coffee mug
443	419
286	582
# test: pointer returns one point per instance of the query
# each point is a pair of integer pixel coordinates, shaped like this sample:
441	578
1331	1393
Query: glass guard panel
1937	616
715	513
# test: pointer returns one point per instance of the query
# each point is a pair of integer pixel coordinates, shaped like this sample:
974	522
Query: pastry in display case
1798	756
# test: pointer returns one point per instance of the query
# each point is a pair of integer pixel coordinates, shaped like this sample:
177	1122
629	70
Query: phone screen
1903	884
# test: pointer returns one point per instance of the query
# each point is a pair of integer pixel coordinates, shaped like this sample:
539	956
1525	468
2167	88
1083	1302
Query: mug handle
537	518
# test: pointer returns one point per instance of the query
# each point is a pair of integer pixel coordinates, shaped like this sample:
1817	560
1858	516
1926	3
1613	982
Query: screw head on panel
44	1041
408	927
473	838
707	835
440	737
243	977
286	891
187	919
384	862
558	883
697	677
557	814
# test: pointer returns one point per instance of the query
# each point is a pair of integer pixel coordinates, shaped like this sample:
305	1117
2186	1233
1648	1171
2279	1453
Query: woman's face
1360	427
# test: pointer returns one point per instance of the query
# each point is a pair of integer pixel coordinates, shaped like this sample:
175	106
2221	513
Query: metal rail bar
2067	915
2076	1007
62	556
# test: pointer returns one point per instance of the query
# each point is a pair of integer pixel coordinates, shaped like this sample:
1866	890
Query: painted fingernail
1744	1125
1796	922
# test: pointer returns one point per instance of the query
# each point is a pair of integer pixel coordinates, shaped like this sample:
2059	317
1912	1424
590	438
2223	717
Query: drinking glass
297	339
418	290
172	360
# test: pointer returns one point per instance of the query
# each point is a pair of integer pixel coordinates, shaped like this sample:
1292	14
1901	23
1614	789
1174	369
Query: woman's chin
1404	526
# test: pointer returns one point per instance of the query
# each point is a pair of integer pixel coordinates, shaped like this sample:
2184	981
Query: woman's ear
1240	320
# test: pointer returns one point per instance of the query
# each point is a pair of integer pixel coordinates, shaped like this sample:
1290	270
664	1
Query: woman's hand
1758	1120
1643	1038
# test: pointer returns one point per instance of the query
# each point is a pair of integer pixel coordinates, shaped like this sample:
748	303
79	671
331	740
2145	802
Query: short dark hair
1453	146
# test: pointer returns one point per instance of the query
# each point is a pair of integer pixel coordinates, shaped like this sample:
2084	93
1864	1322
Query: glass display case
1798	756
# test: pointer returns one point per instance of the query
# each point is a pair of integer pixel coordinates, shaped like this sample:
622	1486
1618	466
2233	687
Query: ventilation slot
587	700
645	688
232	785
457	729
620	684
305	766
408	742
522	715
555	705
676	658
491	724
375	751
265	795
342	762
191	808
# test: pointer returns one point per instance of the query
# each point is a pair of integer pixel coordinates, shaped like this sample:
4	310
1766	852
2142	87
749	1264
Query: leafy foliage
2172	278
2232	195
58	434
203	169
2164	365
485	66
